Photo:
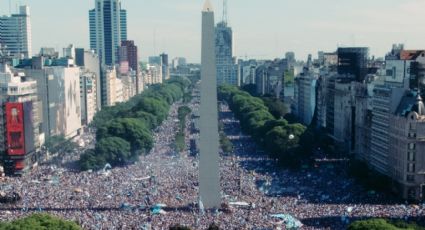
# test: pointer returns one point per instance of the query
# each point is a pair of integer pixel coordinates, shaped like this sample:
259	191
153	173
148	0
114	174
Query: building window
411	168
412	135
410	178
412	146
411	156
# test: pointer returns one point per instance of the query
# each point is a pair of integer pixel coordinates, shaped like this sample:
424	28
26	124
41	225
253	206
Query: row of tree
124	131
40	222
182	113
382	224
279	138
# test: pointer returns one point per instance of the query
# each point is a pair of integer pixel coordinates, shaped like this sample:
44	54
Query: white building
15	33
305	95
153	74
88	95
58	88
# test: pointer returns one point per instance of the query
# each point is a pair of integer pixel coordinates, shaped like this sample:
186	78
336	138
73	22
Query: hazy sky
262	28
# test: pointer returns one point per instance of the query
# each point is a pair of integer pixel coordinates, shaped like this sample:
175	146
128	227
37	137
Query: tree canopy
124	131
40	222
275	134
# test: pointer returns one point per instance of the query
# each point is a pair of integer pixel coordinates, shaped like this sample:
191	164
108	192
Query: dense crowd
161	190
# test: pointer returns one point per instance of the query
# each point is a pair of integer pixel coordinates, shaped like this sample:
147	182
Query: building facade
20	120
226	68
15	33
108	27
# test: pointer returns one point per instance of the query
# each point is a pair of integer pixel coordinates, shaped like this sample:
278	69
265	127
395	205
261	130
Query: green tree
130	129
276	107
91	160
372	224
115	150
40	222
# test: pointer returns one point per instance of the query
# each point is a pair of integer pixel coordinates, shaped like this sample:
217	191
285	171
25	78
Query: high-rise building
128	56
15	33
165	66
353	61
108	27
89	62
19	121
226	68
305	95
209	178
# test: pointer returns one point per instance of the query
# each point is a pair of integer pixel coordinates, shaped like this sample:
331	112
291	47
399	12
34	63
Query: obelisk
209	175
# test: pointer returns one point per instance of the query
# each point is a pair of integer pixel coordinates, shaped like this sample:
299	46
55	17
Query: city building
108	27
407	147
15	33
48	52
20	121
129	62
153	74
88	61
114	87
269	77
88	96
305	95
165	68
179	62
353	61
58	88
246	71
69	52
226	68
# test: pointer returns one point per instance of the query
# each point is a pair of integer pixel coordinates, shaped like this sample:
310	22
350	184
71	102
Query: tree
40	222
90	160
372	224
130	129
276	107
115	150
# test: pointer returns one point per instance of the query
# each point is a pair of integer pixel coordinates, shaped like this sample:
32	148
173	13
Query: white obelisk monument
209	175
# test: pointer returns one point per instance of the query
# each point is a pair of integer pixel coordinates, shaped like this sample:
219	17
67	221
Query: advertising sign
15	129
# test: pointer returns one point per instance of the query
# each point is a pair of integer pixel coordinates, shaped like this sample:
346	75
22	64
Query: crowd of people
161	190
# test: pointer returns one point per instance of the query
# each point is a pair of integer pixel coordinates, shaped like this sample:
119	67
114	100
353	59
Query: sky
263	29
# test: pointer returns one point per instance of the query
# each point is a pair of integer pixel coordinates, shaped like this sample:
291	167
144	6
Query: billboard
28	108
15	129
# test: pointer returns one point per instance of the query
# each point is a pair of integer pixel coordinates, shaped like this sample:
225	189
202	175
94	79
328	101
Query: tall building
165	66
20	121
305	95
128	56
89	62
108	27
209	178
407	144
15	33
226	68
353	61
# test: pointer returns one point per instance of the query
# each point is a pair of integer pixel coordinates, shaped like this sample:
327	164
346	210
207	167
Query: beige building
114	87
407	148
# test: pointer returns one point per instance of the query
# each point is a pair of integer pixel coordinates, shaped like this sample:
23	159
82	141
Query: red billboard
15	129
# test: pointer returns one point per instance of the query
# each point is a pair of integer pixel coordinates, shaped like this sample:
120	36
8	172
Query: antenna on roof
225	12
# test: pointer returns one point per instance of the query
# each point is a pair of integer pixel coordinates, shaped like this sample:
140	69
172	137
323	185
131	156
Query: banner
15	129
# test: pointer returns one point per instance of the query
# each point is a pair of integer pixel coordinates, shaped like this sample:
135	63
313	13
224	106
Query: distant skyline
262	29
